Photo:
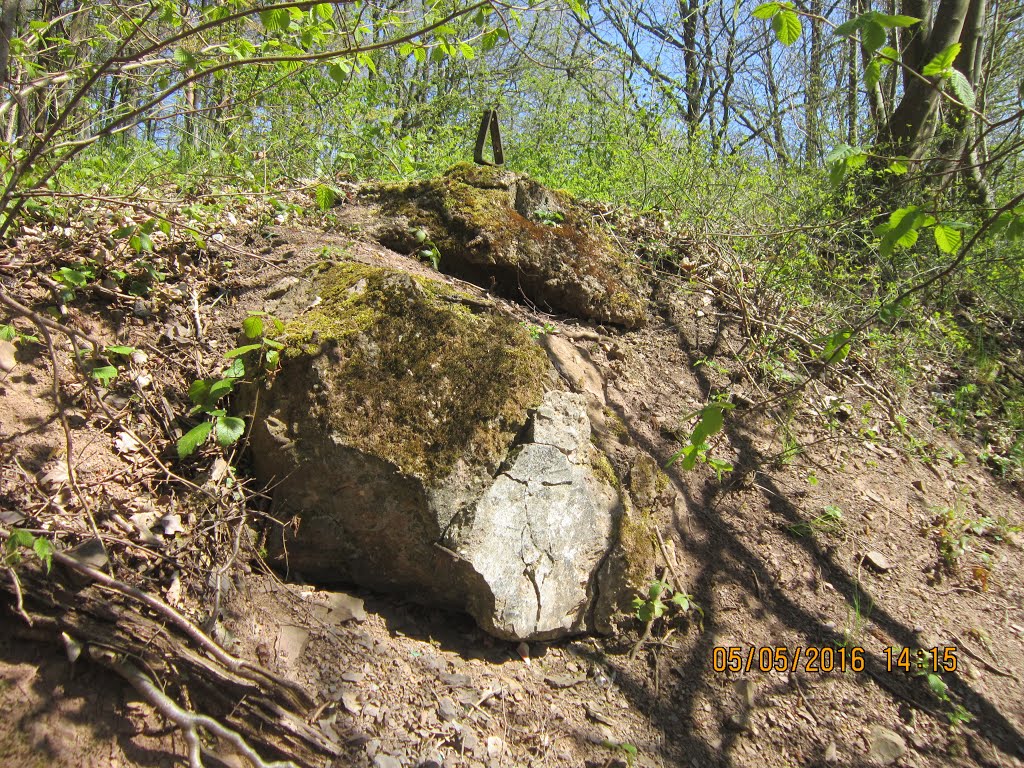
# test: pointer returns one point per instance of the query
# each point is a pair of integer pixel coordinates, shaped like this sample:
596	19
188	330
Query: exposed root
188	722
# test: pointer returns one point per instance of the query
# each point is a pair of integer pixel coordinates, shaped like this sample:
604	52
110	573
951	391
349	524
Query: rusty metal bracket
489	124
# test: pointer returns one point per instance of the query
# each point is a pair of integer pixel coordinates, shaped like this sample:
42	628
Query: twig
58	403
41	321
977	657
189	722
247	669
20	603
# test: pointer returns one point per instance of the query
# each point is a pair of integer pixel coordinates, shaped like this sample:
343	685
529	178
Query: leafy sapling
207	394
712	419
653	605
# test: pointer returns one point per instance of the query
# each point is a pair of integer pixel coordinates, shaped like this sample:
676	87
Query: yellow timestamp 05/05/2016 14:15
826	659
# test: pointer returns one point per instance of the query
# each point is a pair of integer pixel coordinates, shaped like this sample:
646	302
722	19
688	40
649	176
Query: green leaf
837	347
766	10
681	600
467	51
892	311
236	370
219	389
338	72
937	684
901	230
574	5
252	326
44	551
895	21
940	65
898	166
72	277
786	24
199	391
120	350
273	358
243	350
277	20
8	333
324	10
20	538
712	419
690	455
852	26
649	610
192	439
962	89
325	199
655	589
872	74
228	430
948	239
104	374
873	36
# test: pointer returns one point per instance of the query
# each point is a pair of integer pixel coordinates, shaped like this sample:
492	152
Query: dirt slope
830	532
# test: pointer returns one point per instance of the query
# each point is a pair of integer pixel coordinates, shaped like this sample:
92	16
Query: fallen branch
246	669
261	711
188	722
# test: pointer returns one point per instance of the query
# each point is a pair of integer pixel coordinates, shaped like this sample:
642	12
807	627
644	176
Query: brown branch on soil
246	669
263	710
188	722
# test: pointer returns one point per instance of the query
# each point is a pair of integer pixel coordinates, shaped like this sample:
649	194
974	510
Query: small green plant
924	666
70	278
829	521
9	333
20	541
653	605
628	750
206	394
711	363
710	423
426	248
857	617
536	331
102	369
550	218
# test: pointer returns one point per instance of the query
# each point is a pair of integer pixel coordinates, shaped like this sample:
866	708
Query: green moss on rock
406	371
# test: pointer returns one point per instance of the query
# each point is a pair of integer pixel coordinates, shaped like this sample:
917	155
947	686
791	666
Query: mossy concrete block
417	440
497	228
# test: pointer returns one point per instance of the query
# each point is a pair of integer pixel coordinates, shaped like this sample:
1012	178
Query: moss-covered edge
409	373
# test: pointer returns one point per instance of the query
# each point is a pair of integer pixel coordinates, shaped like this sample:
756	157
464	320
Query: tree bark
911	122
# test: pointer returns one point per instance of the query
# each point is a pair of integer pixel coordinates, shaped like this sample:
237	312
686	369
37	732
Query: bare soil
827	535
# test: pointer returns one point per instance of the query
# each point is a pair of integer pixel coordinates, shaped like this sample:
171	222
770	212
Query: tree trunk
911	124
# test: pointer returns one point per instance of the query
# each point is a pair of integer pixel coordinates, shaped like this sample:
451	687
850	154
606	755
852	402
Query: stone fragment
885	746
7	359
878	561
